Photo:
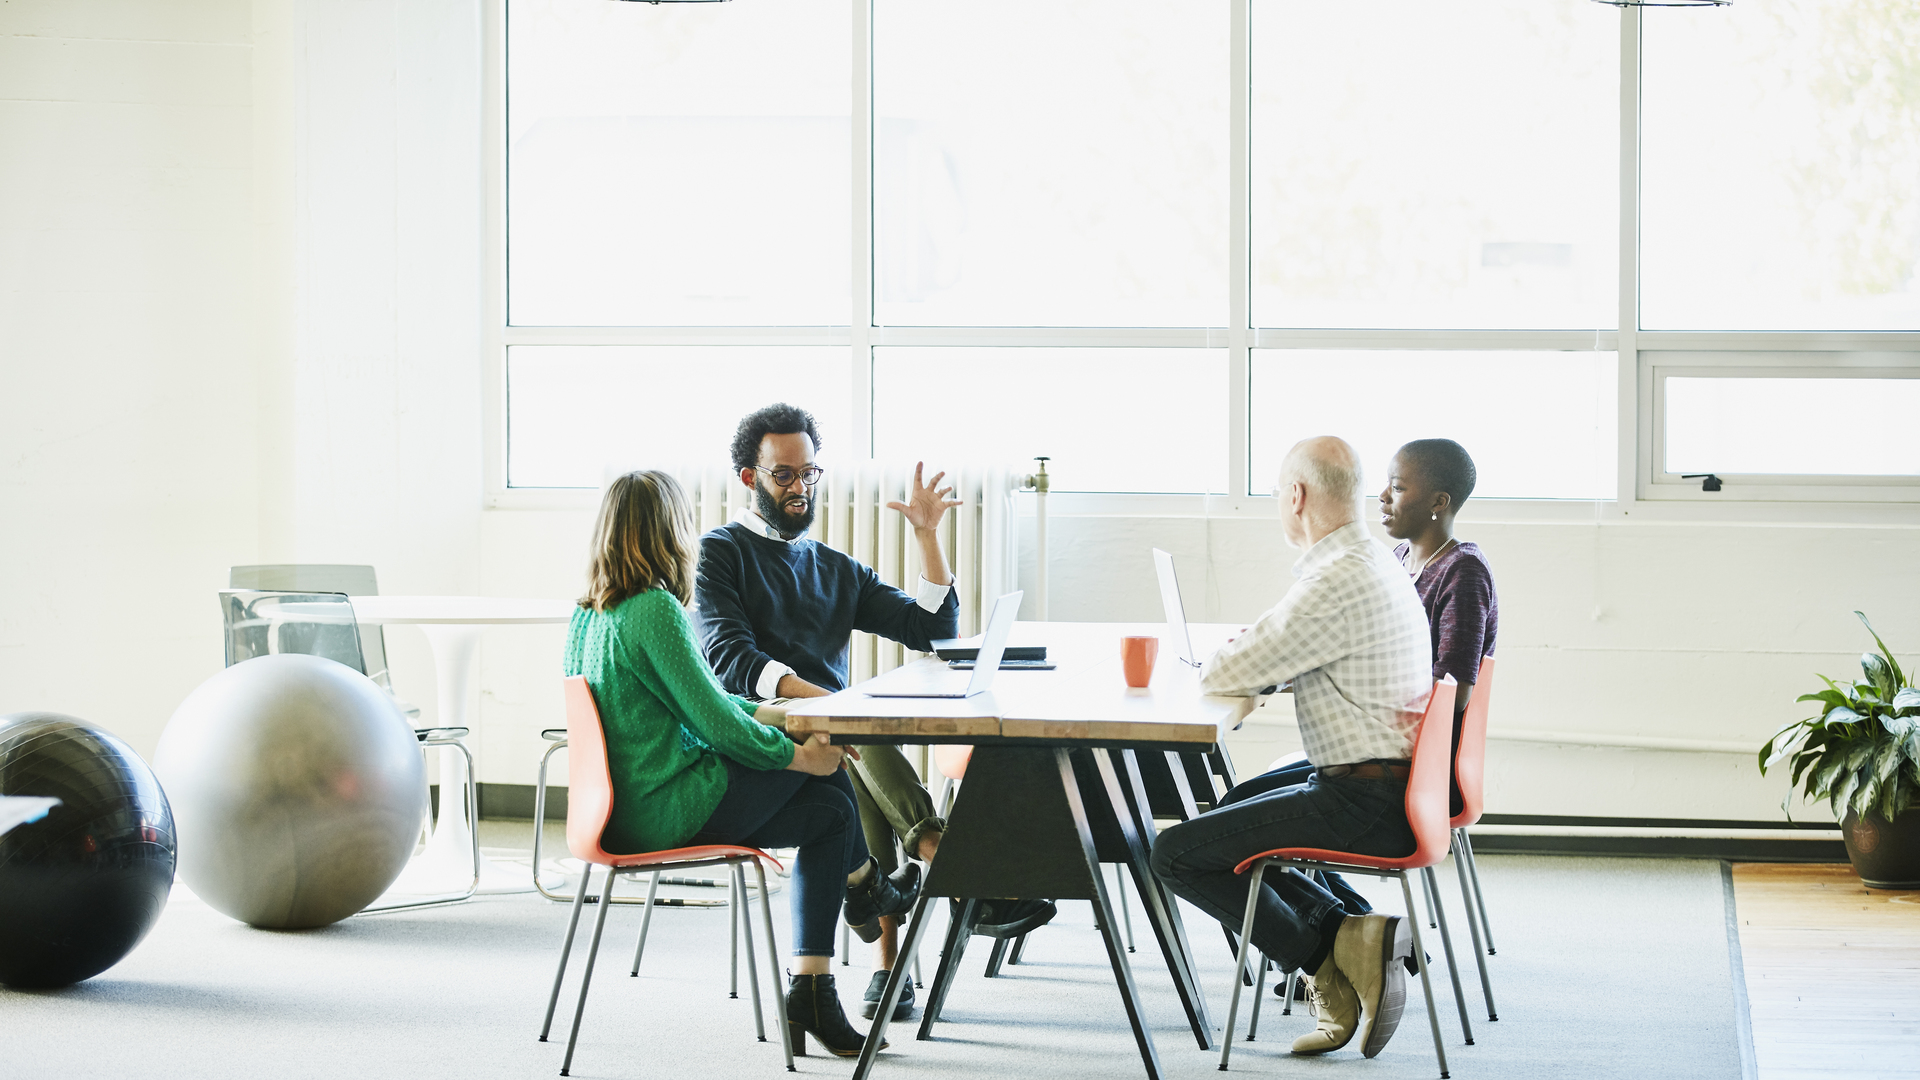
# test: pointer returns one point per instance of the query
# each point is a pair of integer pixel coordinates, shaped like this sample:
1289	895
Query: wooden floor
1833	972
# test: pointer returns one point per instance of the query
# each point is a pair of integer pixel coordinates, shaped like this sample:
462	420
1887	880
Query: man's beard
788	525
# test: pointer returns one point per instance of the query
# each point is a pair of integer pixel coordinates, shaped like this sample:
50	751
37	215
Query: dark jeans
1296	918
816	814
1287	776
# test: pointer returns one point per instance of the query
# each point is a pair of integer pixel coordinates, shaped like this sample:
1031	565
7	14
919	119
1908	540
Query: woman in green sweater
693	765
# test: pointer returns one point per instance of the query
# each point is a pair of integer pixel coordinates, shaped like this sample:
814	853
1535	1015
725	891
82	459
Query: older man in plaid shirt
1352	638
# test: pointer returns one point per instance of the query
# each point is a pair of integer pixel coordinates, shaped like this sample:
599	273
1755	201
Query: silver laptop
930	681
1176	612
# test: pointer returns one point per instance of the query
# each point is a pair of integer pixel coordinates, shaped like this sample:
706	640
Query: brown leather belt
1367	770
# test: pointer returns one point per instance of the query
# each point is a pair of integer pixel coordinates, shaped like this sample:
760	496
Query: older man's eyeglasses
784	477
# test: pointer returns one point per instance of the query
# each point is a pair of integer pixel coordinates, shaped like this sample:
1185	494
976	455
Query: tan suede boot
1337	1007
1369	951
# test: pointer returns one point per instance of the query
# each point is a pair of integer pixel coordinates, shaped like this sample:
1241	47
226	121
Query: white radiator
852	516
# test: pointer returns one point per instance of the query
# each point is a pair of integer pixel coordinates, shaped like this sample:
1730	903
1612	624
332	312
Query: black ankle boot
879	895
813	1005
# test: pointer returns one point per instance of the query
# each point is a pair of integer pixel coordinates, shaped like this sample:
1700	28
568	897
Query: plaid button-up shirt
1352	636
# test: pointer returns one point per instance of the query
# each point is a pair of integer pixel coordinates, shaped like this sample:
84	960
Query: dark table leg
1136	827
1033	794
959	932
890	998
1103	909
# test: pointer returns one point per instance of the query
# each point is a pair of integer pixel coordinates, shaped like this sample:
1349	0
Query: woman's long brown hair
642	540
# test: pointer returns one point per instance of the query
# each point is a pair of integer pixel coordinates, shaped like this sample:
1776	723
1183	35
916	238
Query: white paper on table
20	809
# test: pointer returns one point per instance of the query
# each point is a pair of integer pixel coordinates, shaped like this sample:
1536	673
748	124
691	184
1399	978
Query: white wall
128	422
240	311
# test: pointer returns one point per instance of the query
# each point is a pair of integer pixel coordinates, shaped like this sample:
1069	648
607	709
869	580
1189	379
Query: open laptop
928	681
1177	634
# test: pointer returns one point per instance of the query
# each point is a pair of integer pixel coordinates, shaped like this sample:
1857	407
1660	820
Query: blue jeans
816	814
1296	918
1287	776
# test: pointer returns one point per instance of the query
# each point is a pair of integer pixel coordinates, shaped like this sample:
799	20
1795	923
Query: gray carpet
1607	967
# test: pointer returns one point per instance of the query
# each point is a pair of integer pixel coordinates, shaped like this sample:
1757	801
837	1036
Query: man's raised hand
927	503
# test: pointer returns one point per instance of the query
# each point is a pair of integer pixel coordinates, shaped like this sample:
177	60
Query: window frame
1646	358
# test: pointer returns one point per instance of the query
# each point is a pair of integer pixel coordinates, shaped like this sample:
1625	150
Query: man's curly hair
779	418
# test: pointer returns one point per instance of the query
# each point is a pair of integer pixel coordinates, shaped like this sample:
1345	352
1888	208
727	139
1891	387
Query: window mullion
1239	248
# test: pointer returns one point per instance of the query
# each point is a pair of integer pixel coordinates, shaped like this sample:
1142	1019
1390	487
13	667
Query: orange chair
589	804
1427	799
1469	770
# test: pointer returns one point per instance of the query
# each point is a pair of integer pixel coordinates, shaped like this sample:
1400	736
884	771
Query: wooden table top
1084	700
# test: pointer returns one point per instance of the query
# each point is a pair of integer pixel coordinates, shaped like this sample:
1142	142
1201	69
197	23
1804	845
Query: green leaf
1821	780
1899	726
1843	791
1840	714
1898	677
1835	697
1907	698
1864	794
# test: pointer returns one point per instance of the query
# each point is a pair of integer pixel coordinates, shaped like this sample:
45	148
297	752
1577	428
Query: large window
1457	171
1782	167
1160	240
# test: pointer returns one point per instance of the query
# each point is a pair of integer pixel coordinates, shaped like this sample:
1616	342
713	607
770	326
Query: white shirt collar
1329	547
752	520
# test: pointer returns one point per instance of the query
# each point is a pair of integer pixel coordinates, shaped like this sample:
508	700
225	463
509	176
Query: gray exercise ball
298	790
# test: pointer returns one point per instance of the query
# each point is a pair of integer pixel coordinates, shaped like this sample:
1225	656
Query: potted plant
1862	755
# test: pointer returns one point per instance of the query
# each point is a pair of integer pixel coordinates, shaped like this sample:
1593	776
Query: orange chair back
952	759
1427	783
589	781
1470	765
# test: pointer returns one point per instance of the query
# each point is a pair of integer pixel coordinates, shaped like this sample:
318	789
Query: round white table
453	625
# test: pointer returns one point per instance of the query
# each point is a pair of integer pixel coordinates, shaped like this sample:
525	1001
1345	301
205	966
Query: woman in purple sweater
1427	483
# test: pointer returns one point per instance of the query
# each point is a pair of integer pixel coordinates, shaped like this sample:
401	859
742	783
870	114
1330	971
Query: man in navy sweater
775	612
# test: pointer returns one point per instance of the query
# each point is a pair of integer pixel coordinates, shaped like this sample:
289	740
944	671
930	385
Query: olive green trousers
893	803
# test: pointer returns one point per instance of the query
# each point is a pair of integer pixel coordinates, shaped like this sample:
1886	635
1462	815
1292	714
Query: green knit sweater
667	721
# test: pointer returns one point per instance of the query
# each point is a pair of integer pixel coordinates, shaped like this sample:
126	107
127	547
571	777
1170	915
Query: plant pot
1885	854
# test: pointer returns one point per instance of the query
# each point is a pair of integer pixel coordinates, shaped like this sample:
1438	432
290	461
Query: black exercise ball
80	887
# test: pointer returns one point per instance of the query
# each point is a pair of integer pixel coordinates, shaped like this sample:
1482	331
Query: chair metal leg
996	957
586	977
1453	965
1426	982
1259	995
1019	949
1473	927
846	944
753	969
1479	897
566	948
773	964
1126	910
738	895
1432	898
1286	993
1240	958
646	920
471	790
540	819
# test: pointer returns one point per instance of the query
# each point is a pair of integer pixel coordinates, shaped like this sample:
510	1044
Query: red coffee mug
1137	655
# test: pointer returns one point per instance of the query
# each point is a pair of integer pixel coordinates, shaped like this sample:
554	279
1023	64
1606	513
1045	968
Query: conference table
1054	788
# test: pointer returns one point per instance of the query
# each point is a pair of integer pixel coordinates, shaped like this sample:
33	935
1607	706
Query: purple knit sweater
1462	609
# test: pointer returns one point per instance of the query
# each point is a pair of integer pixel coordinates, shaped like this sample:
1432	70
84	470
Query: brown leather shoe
1370	951
1337	1007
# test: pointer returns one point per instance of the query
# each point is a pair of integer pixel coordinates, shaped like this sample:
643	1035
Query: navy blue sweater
758	599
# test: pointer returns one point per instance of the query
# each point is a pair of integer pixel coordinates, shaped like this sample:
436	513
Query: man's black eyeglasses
785	477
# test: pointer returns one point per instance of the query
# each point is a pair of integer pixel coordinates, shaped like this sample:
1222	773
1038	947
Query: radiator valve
1037	481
